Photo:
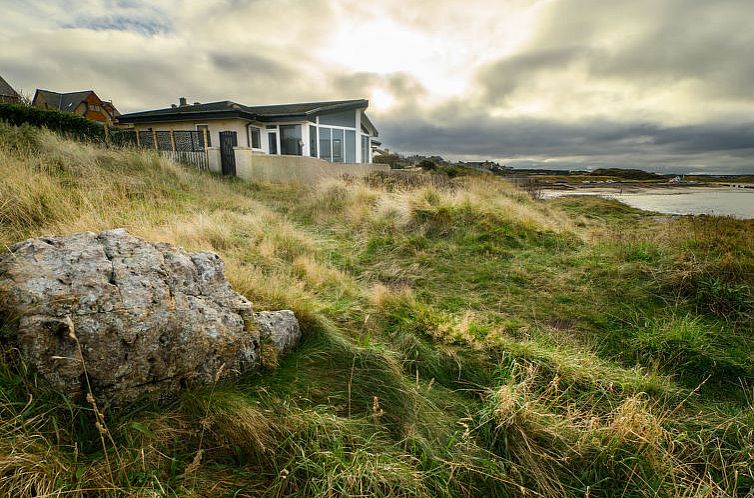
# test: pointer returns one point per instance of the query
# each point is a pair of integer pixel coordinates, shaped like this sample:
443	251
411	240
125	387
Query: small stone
280	328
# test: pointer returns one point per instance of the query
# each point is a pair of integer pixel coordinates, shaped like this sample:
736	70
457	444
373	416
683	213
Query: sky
662	85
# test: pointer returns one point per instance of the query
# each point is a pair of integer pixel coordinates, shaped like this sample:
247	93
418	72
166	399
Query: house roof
6	90
65	102
229	109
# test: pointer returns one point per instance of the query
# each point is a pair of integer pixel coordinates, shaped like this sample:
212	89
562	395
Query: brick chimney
182	101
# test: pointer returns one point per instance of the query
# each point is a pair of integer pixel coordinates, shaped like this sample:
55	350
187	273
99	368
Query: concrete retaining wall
252	165
213	159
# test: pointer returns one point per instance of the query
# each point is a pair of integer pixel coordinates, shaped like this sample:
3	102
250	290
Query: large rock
130	316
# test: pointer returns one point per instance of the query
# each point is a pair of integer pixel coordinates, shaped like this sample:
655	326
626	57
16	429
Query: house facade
7	94
85	103
335	131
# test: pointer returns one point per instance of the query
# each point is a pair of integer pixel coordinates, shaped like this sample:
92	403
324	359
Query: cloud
673	60
147	27
658	83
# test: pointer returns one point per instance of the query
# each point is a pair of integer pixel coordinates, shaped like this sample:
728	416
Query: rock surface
280	328
143	317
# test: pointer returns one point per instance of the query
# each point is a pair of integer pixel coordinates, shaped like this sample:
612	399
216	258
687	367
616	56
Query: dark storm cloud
599	142
501	78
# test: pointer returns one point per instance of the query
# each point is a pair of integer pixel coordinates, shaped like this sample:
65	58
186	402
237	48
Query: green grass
460	339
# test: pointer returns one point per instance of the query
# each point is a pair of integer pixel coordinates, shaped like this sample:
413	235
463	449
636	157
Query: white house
336	131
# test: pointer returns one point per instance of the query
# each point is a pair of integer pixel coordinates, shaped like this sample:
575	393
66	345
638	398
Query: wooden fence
184	146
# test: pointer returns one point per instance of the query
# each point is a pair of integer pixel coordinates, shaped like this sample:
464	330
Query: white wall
253	165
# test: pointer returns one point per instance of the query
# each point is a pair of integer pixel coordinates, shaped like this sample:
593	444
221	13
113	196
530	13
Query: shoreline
671	200
623	189
645	186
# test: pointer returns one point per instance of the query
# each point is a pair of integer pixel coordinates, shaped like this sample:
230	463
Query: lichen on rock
130	316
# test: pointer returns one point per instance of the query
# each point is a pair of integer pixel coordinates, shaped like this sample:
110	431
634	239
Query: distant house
336	131
7	94
85	103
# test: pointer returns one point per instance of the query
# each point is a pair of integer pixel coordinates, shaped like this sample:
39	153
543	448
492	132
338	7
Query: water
723	201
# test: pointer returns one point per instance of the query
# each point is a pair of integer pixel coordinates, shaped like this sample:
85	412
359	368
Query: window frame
209	134
250	136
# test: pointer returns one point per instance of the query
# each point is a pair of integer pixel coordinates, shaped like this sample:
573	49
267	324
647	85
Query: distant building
85	103
7	94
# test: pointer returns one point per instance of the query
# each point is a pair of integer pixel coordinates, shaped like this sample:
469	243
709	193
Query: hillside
460	339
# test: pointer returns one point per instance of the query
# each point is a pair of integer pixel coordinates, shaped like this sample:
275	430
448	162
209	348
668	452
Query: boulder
123	317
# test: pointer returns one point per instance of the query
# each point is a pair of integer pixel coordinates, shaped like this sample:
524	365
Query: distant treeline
631	174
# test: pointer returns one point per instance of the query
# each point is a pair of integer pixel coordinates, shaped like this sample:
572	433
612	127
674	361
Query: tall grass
460	339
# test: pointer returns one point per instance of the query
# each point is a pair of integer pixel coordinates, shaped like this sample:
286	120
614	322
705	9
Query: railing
185	146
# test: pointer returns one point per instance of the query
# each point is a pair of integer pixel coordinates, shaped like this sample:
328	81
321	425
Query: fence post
154	139
204	135
172	140
138	143
107	134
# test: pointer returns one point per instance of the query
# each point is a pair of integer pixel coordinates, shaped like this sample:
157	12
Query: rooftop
227	108
6	90
65	102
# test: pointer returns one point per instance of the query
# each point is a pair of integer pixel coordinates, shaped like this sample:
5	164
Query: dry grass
411	381
398	207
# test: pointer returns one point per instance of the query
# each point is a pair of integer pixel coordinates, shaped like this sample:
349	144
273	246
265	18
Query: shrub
19	139
392	160
62	122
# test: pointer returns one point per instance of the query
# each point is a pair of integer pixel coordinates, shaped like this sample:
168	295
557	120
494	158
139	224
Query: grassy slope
460	340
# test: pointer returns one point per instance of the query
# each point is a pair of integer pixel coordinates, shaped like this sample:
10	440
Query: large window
255	137
337	145
290	140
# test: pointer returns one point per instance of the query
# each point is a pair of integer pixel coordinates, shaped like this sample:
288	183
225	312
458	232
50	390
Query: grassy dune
461	340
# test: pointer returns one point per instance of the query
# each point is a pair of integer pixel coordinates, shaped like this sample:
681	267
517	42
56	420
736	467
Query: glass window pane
256	137
364	149
350	146
342	118
313	141
324	144
290	140
272	139
337	146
